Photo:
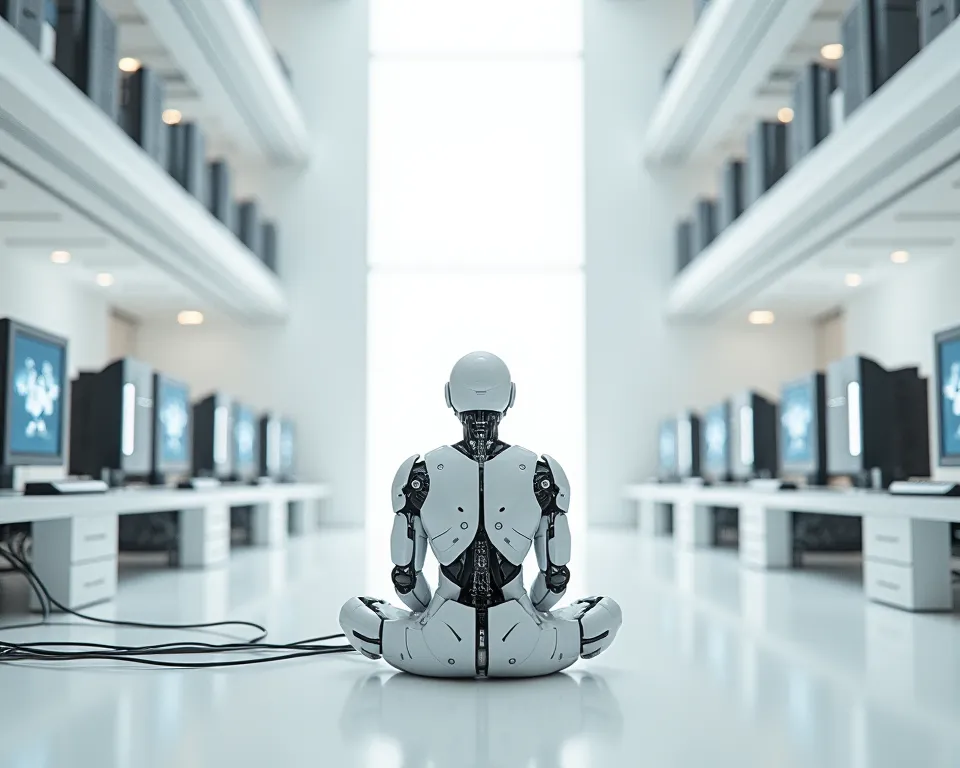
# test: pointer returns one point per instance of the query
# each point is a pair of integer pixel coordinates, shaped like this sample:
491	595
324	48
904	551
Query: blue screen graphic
245	437
36	418
286	447
950	398
668	446
173	412
715	438
797	423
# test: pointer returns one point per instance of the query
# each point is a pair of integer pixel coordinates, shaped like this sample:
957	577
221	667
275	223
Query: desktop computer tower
142	109
111	422
753	436
684	244
767	159
220	193
704	225
730	205
811	103
25	16
688	445
911	398
213	437
250	231
271	448
188	158
935	17
87	51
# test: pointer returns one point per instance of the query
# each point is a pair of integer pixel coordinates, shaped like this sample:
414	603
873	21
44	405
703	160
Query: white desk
906	543
75	537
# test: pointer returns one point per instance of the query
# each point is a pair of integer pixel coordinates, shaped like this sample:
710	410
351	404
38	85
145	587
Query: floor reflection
403	721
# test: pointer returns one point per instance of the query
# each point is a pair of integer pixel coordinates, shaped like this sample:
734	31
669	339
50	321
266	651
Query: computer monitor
34	390
271	436
288	456
172	438
111	422
212	437
715	450
688	445
803	428
246	449
947	356
753	436
668	466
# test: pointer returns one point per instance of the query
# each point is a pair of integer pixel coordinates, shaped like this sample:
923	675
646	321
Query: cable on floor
17	558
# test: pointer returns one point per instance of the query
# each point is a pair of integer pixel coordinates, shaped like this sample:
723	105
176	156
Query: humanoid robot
481	505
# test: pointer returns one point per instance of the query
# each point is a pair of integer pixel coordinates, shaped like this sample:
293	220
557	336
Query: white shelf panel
57	140
901	139
222	49
733	48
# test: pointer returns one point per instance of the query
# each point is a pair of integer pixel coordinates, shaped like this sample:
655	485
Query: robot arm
408	542
552	540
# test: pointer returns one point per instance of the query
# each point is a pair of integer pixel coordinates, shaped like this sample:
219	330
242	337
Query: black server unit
936	16
731	202
111	422
688	445
856	66
827	77
684	244
25	16
767	161
896	37
87	51
188	161
753	436
704	225
271	436
250	231
213	437
220	192
270	245
811	122
861	420
142	110
911	399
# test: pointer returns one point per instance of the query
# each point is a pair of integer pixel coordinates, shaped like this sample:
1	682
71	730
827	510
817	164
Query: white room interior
452	175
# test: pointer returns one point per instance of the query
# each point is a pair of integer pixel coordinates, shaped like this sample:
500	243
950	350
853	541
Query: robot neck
480	433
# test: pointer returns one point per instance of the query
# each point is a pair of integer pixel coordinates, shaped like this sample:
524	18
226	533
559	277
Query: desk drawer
93	582
216	518
906	586
93	537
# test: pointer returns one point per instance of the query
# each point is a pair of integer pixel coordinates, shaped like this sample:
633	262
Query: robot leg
362	618
599	619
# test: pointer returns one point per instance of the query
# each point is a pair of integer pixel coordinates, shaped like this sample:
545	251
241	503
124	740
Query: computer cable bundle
18	561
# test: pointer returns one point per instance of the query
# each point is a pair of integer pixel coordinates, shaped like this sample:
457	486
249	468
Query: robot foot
599	619
361	619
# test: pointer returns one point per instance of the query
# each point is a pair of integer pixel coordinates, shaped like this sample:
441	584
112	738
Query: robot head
480	381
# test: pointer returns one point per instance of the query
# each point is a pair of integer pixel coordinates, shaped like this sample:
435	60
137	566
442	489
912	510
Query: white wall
314	367
640	368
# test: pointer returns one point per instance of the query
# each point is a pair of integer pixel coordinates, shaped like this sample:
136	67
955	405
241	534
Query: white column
305	516
204	535
692	524
653	518
269	523
766	536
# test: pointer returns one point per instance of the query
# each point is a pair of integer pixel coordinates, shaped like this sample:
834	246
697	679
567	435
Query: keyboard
771	484
65	488
924	488
199	484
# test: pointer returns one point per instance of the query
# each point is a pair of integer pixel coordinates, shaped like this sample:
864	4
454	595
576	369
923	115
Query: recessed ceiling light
128	64
832	51
172	116
104	279
785	115
60	257
853	280
190	317
761	317
900	257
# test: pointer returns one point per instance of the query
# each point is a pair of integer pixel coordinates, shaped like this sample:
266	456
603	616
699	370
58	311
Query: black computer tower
250	231
856	66
25	16
730	204
753	436
188	159
767	159
213	437
704	224
811	102
220	194
111	422
861	420
936	16
271	436
87	51
270	244
688	445
896	36
684	244
911	399
142	110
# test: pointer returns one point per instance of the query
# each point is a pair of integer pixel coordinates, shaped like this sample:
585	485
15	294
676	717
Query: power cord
16	557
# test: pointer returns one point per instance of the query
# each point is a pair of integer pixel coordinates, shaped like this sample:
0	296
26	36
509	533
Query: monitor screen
286	446
948	353
668	446
715	438
36	398
173	420
798	423
245	438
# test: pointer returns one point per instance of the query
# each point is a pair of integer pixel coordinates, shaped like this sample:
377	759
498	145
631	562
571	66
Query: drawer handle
888	585
94	583
95	537
887	539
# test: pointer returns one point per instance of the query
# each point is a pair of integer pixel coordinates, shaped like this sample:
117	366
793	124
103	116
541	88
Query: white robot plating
40	390
480	505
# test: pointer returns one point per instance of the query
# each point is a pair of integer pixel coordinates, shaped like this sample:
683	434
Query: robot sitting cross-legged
481	504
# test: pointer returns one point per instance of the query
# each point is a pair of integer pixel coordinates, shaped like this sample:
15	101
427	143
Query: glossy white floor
713	667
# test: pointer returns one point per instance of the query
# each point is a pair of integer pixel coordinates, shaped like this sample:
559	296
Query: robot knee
362	624
599	624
